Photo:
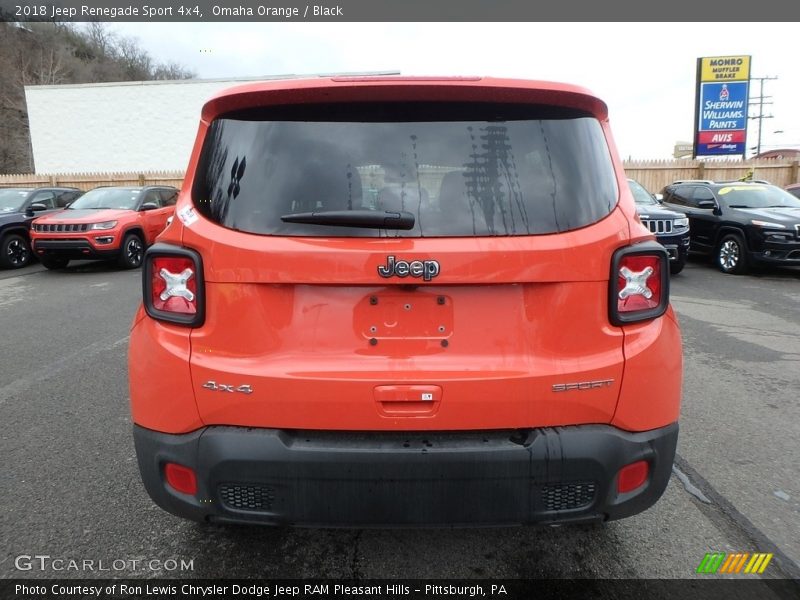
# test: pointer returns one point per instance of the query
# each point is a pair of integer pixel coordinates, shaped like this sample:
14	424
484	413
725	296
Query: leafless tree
170	71
60	53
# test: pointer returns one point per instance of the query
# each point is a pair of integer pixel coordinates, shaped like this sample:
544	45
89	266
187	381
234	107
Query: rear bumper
313	478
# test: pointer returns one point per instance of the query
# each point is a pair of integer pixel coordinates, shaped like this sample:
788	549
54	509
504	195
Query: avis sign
723	92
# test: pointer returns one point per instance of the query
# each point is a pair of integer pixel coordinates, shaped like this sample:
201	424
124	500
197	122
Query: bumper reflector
181	479
632	476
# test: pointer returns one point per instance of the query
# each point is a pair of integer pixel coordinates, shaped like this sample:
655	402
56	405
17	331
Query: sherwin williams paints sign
723	91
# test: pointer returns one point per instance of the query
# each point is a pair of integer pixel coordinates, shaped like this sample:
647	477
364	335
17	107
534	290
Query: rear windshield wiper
379	219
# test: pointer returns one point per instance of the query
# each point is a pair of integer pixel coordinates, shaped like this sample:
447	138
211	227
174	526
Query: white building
120	127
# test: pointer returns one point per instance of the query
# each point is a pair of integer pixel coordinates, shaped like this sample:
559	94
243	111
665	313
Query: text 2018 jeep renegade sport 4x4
398	301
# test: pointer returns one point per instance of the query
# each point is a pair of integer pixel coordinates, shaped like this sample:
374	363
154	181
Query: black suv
671	228
18	207
739	223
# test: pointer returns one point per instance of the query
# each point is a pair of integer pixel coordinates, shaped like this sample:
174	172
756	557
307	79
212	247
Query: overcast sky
644	72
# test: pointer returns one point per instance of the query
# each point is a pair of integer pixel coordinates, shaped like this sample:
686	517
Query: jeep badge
427	269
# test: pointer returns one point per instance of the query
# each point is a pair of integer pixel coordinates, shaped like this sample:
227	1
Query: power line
761	100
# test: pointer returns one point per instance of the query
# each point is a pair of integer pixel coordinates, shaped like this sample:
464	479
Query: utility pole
761	100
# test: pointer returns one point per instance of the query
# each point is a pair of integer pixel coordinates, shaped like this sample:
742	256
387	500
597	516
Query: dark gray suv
18	207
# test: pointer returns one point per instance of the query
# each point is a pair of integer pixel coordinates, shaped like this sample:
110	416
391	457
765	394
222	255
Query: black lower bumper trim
775	257
312	478
677	247
72	249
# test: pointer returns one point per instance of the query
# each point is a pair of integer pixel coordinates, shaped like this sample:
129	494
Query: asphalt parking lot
70	488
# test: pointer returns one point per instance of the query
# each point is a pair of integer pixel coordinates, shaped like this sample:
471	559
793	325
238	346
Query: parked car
18	207
478	346
671	228
794	189
105	223
739	223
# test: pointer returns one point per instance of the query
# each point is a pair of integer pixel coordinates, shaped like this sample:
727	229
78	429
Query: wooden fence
87	181
653	174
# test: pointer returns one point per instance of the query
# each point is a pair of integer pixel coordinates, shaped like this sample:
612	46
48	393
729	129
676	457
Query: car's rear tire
731	255
131	252
54	262
15	252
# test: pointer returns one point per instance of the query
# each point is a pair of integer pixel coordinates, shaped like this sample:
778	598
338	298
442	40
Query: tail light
173	287
639	283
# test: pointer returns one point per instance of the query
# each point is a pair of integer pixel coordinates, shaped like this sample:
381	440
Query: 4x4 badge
221	387
427	269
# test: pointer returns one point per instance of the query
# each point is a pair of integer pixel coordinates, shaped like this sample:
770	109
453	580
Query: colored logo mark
734	562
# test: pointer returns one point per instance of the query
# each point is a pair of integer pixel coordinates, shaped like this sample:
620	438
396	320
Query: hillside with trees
62	53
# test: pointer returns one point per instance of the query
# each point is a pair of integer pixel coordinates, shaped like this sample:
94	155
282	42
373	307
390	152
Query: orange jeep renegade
405	301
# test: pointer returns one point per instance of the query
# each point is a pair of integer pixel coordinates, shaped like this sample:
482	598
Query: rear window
460	169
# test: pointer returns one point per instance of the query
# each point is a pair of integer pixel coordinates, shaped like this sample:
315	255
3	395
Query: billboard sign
721	101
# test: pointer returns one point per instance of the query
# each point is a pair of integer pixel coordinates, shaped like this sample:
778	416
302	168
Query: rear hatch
405	255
